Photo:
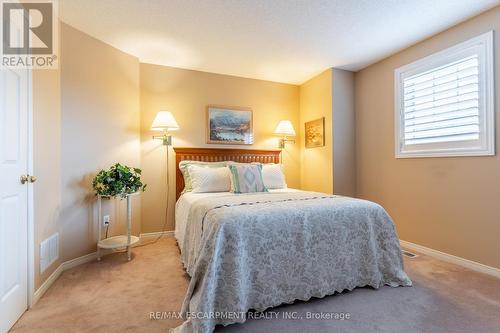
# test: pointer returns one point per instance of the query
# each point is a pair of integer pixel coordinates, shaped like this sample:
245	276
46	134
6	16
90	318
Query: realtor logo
29	34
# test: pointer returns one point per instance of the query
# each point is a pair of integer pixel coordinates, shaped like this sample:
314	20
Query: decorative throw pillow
273	176
205	179
183	165
246	178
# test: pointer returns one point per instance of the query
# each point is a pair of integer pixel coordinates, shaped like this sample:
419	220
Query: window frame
485	146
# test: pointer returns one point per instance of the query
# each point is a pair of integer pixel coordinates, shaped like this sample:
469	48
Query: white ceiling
278	40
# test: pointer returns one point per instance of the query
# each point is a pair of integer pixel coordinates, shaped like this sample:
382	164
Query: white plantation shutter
444	104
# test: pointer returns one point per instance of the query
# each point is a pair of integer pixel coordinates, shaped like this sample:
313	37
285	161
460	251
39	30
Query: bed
259	250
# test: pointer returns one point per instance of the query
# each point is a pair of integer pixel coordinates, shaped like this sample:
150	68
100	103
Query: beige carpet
118	296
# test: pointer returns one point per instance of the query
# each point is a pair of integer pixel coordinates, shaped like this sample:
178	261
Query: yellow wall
46	162
448	204
99	126
317	163
186	94
86	117
344	133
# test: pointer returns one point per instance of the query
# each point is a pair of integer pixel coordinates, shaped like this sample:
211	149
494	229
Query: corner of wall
315	101
344	133
86	117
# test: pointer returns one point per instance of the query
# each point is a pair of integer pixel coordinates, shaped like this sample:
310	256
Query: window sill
448	153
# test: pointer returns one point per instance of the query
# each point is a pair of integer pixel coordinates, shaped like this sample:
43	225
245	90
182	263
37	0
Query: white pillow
273	176
210	179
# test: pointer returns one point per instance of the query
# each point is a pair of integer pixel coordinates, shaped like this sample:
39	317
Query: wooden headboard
217	155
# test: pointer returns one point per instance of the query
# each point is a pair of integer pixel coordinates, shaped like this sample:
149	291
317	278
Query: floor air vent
409	254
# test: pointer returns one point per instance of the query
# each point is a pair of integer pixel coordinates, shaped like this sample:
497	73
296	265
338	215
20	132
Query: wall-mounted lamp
285	129
164	121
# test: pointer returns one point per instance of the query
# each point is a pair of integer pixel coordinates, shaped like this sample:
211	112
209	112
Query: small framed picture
315	133
229	125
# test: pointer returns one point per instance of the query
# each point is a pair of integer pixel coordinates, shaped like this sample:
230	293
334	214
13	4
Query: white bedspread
258	251
187	200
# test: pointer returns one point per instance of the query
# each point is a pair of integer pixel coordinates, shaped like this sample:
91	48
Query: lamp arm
284	140
166	138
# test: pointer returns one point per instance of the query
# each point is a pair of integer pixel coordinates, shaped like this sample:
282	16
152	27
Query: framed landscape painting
229	125
315	133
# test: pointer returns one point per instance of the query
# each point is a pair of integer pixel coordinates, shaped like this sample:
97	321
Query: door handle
27	178
24	179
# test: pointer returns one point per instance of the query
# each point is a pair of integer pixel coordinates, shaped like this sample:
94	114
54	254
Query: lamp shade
285	127
164	121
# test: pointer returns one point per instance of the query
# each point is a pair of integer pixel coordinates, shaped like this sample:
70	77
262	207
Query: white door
13	196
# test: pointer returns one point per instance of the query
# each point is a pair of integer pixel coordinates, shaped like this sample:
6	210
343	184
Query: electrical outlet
105	220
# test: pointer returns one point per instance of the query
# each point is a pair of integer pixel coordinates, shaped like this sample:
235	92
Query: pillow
183	165
246	178
273	177
205	179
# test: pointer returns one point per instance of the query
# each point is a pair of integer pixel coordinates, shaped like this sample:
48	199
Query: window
445	102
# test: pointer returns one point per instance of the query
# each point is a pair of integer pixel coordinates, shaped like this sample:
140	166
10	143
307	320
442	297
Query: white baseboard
152	235
59	270
78	261
475	266
46	285
82	260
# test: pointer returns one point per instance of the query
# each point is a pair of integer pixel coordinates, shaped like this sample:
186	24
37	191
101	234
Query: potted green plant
118	180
